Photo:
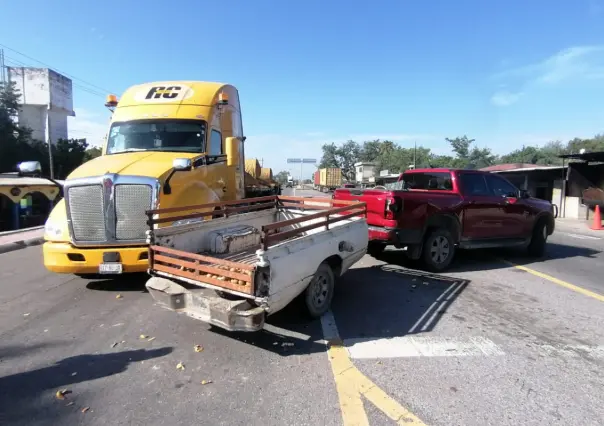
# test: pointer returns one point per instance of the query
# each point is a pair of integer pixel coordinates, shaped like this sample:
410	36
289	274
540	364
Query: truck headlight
52	230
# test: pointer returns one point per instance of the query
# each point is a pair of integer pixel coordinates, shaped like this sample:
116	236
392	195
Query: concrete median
21	238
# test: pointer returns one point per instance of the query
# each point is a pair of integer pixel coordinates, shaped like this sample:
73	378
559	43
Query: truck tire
319	293
536	247
375	249
438	250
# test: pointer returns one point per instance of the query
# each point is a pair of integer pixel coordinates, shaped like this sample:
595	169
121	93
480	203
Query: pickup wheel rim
439	250
319	290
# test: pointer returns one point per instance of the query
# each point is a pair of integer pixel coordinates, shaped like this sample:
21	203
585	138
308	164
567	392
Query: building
46	101
364	171
564	185
25	201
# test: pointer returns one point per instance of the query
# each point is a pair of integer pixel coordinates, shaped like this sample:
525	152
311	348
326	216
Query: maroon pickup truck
434	211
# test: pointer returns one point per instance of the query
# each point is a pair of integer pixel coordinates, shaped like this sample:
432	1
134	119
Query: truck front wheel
319	293
438	250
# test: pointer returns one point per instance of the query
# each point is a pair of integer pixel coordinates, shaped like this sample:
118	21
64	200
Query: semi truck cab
169	144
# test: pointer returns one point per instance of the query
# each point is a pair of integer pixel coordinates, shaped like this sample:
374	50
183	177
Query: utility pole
49	138
2	68
414	155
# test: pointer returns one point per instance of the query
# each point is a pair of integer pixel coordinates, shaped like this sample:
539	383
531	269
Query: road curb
18	245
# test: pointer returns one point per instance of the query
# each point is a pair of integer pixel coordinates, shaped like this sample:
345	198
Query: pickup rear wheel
439	250
319	293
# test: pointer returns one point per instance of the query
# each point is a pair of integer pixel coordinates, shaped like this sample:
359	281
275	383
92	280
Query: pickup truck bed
234	270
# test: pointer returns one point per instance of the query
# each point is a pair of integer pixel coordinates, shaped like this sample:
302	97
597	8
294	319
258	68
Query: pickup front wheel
438	250
319	293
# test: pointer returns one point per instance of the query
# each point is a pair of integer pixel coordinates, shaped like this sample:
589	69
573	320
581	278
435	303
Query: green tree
92	152
281	177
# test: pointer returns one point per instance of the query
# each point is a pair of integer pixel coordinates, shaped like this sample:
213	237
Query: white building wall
34	117
47	101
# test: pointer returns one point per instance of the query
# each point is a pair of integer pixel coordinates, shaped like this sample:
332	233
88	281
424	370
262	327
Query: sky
506	73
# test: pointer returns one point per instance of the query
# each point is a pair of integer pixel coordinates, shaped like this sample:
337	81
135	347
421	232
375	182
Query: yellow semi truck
170	144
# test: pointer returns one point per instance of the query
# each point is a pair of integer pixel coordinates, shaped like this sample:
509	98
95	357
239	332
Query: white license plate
110	268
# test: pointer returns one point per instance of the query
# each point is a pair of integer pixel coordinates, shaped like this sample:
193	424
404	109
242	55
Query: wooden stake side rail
218	272
226	208
269	239
226	211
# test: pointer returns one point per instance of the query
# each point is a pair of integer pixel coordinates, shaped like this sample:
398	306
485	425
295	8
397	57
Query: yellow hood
151	164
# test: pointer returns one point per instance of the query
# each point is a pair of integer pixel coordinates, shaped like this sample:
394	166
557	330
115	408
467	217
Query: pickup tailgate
383	206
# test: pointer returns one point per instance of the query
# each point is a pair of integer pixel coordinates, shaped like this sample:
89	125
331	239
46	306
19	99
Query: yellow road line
352	385
555	280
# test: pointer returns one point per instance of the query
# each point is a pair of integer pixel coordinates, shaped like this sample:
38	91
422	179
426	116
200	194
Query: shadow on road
488	259
121	283
29	397
384	301
288	332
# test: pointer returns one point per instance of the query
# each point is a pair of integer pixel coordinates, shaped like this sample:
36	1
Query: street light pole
49	138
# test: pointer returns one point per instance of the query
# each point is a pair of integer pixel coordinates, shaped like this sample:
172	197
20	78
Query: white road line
580	236
416	346
424	346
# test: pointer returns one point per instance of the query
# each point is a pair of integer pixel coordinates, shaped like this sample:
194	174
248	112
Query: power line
16	62
58	70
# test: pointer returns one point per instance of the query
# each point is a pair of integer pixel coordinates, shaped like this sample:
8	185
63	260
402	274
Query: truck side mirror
29	168
232	146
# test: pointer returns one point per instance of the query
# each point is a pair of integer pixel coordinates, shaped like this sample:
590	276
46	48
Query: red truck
432	212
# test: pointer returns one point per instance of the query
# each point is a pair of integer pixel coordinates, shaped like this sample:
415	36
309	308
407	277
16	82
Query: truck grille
86	205
131	202
125	219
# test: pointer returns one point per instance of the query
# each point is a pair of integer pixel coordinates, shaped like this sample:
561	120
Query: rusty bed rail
219	272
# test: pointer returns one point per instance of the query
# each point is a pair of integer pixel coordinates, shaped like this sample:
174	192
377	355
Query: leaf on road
119	296
75	373
180	366
27	314
114	344
69	404
150	339
62	393
206	382
85	409
144	336
198	348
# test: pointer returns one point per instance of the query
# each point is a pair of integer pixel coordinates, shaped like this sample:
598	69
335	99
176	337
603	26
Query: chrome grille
131	202
86	210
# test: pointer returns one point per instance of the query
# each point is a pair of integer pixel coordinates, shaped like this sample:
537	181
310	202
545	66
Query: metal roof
587	156
530	169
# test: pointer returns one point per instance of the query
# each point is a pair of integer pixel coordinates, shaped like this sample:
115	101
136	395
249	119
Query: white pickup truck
254	257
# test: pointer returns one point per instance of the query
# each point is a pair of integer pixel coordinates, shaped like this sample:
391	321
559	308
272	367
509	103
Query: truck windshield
157	135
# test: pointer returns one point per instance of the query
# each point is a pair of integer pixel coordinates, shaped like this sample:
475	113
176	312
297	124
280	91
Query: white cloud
88	125
573	63
505	98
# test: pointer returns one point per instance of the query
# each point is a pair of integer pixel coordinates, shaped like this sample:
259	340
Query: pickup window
474	184
439	181
500	187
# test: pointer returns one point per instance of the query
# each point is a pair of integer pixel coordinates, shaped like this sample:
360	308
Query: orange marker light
111	101
223	98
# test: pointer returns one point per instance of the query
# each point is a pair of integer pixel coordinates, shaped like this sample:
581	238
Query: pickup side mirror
233	147
523	193
29	168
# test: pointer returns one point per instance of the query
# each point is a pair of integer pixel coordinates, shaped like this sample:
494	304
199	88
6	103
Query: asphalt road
486	343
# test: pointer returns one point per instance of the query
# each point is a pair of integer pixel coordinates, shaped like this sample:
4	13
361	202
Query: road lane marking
580	236
555	280
419	346
352	385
